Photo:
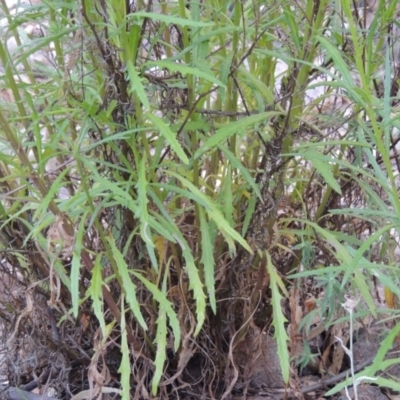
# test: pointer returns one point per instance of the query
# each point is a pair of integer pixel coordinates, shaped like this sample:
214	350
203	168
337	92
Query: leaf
169	136
257	84
207	259
249	214
184	69
201	41
196	286
165	304
141	187
385	347
365	291
224	72
142	213
170	19
279	319
233	128
128	286
324	167
76	264
125	367
225	197
337	58
137	85
161	342
95	292
290	21
195	283
181	191
194	279
388	383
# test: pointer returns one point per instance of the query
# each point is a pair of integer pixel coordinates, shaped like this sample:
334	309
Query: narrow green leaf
323	164
224	72
387	102
182	192
142	213
207	259
170	19
136	84
76	264
292	24
249	214
75	270
128	286
125	367
161	342
152	254
279	319
385	347
365	291
194	279
225	197
96	293
388	383
141	187
184	69
337	58
164	303
257	84
233	128
325	169
169	136
162	226
196	286
195	283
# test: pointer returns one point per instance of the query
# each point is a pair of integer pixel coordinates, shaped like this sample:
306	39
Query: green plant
168	157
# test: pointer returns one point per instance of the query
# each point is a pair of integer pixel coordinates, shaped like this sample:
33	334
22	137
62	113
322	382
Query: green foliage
155	155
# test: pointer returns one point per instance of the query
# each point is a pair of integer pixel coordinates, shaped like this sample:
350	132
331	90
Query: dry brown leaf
58	239
98	378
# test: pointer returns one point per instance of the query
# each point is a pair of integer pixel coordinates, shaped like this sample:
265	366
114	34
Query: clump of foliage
175	173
